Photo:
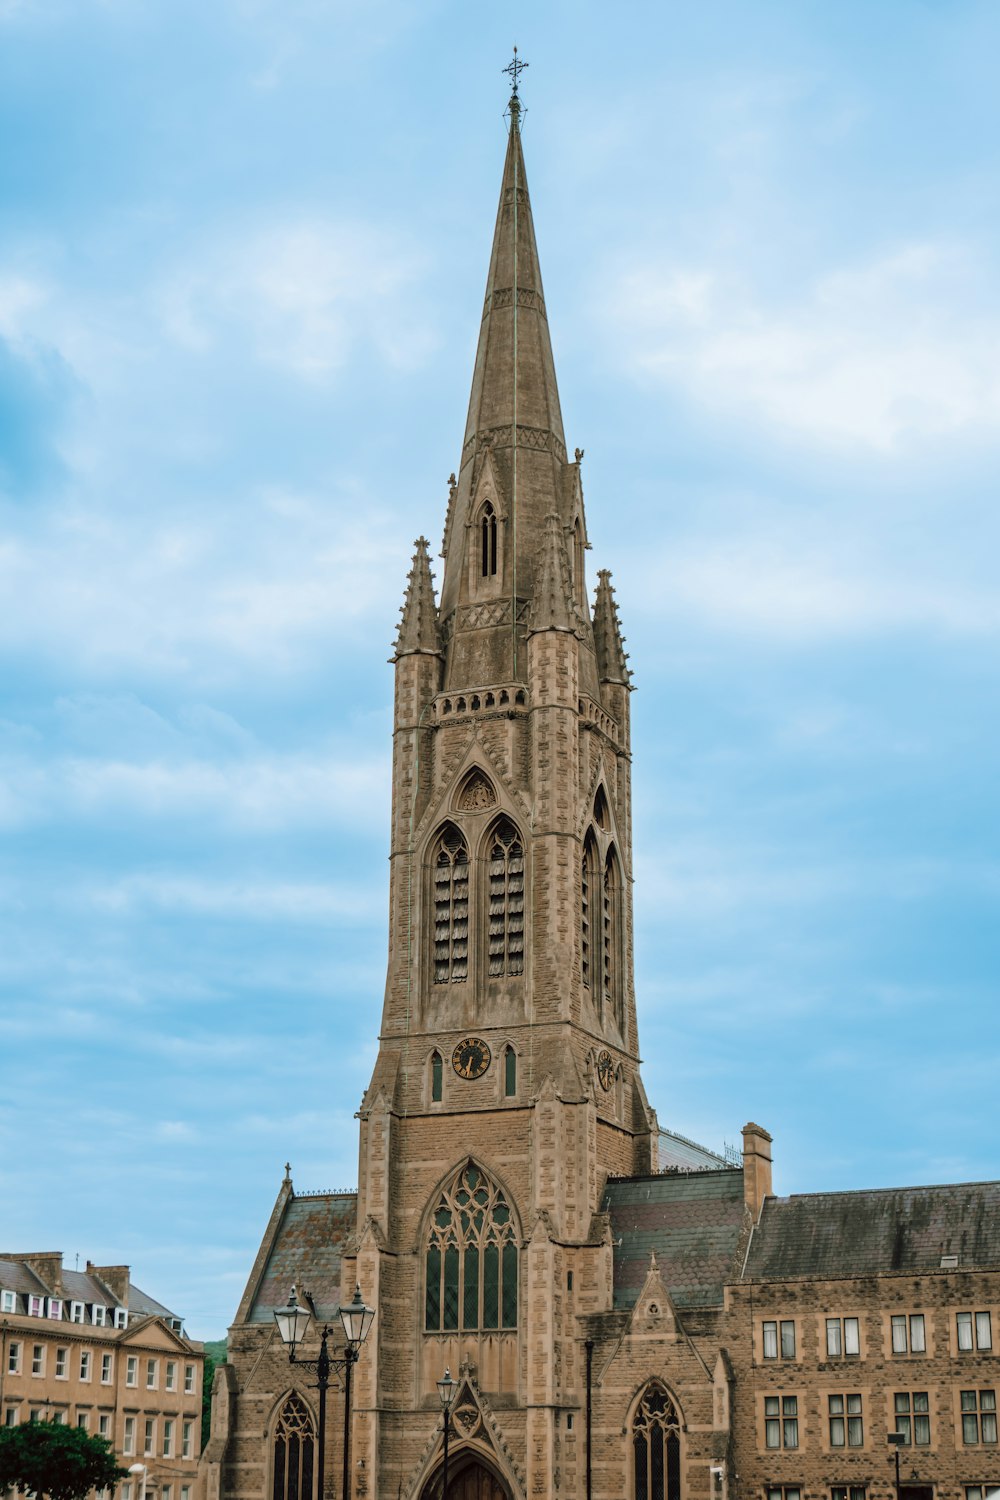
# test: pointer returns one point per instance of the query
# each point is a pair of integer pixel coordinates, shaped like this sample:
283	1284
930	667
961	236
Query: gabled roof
307	1249
692	1221
876	1231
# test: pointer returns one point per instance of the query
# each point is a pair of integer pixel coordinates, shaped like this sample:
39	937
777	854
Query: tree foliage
63	1463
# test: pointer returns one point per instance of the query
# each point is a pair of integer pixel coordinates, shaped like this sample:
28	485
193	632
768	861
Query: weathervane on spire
514	69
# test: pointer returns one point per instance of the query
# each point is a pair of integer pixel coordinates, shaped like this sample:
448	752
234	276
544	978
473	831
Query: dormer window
121	1317
8	1302
98	1315
488	541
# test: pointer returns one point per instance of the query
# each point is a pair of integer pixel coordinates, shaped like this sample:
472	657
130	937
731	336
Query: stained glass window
656	1449
293	1452
471	1260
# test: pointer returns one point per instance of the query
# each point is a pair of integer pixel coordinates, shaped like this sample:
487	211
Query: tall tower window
437	1077
488	540
471	1262
588	894
509	1073
451	907
656	1447
506	901
293	1452
611	936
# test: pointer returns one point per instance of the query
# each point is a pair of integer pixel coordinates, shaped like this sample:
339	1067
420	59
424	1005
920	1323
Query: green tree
63	1463
206	1397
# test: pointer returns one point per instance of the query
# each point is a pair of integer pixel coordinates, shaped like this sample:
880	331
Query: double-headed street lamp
446	1390
293	1324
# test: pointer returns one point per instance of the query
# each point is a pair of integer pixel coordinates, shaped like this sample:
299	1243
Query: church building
624	1313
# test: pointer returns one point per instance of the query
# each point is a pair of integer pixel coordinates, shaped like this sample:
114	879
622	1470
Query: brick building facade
89	1349
602	1291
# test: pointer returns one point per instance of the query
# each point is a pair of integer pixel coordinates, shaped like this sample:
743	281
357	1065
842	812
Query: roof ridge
920	1187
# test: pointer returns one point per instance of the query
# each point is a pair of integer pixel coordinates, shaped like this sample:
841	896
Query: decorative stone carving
477	794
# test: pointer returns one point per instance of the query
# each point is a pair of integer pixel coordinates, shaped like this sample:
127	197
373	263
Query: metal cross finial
514	69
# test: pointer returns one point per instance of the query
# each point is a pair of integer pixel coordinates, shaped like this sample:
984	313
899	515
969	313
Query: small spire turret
554	607
612	658
418	627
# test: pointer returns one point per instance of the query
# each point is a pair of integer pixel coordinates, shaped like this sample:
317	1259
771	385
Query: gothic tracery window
293	1452
451	907
471	1261
506	900
656	1447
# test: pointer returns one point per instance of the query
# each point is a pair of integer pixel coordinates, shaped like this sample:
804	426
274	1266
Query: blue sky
242	259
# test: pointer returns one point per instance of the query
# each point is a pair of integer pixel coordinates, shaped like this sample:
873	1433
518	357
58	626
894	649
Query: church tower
507	1086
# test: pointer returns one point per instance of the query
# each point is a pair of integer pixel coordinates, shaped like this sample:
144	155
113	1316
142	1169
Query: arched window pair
293	1452
509	1075
656	1447
503	900
488	541
600	928
471	1258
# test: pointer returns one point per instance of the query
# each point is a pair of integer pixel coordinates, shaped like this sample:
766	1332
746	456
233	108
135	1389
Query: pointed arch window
451	907
611	936
509	1073
656	1447
437	1077
471	1258
588	896
488	540
505	945
293	1452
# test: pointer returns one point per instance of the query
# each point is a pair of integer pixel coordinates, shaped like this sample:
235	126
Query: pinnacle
612	658
554	607
418	627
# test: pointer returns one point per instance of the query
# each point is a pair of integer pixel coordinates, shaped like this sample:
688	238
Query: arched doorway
468	1479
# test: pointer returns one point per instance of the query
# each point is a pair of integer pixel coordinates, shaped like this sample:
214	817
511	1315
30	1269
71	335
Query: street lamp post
140	1469
446	1390
897	1439
293	1323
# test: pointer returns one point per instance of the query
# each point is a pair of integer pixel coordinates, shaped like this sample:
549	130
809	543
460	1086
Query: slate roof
875	1231
77	1286
692	1220
307	1250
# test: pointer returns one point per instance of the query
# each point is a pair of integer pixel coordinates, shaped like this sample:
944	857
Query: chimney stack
756	1168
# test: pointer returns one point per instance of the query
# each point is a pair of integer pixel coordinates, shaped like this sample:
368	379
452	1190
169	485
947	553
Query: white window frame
36	1306
59	1419
11	1416
121	1317
38	1358
62	1362
152	1374
86	1363
104	1425
132	1370
8	1301
99	1315
189	1380
168	1437
83	1420
186	1444
128	1438
76	1312
170	1375
14	1356
149	1438
845	1329
107	1369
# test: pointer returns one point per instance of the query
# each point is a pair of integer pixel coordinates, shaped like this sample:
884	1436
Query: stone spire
418	627
553	607
514	391
612	658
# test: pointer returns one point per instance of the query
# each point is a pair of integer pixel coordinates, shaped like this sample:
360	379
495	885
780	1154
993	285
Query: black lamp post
293	1324
897	1439
446	1390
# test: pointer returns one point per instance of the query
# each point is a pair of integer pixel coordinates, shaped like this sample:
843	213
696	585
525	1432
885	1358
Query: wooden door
471	1482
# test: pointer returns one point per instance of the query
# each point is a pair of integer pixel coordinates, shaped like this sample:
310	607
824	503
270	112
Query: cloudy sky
242	258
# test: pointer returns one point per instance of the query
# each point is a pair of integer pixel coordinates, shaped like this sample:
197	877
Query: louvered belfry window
656	1447
611	936
451	908
506	901
471	1262
587	895
293	1452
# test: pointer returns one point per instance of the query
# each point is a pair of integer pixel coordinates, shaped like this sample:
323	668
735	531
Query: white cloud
882	356
281	901
305	293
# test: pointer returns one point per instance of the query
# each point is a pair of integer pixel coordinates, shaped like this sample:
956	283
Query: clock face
605	1070
471	1057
